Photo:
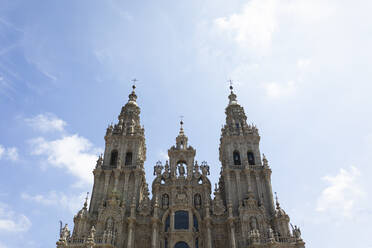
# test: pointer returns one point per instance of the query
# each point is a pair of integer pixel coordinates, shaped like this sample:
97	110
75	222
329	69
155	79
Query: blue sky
302	71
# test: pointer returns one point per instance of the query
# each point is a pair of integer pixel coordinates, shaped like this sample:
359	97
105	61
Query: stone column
126	183
131	222
155	226
248	175
117	175
269	190
228	184
154	240
130	243
232	228
208	225
259	187
107	181
237	175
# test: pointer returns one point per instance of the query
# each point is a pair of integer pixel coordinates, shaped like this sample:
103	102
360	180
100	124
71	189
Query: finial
231	85
86	200
232	96
133	96
134	80
181	122
277	201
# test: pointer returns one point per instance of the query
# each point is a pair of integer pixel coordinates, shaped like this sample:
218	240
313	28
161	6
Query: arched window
167	224
181	245
128	158
251	158
181	220
114	158
236	156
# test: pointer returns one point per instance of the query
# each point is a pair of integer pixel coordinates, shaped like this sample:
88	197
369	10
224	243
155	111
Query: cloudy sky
302	70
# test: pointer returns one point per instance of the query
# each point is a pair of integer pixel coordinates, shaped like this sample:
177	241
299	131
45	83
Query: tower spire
232	96
133	96
181	126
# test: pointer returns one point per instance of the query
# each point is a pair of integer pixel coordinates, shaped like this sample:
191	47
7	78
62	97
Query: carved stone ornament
217	207
181	198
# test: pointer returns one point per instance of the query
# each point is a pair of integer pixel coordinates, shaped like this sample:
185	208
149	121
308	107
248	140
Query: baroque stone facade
181	213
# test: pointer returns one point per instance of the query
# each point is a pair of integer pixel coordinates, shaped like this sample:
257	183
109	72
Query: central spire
181	140
133	96
232	96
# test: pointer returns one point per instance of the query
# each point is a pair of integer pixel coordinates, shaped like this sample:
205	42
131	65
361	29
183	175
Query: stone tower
182	212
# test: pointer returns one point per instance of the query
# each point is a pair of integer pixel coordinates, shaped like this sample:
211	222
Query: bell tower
243	172
119	176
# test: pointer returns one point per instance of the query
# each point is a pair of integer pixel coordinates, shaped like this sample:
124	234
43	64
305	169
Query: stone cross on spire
231	84
232	96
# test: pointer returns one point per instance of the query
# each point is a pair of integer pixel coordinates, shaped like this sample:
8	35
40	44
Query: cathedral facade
181	212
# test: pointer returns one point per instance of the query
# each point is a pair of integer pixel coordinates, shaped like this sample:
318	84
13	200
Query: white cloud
73	153
10	153
58	199
11	221
3	246
342	193
46	123
303	63
2	150
276	90
255	26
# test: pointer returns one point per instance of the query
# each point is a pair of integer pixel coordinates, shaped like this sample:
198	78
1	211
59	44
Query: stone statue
181	170
110	224
165	201
157	169
270	233
296	232
119	163
166	170
65	233
92	233
253	223
197	201
99	161
217	207
205	168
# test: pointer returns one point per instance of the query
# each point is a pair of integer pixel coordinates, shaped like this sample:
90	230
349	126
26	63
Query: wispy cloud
9	153
259	20
73	153
11	221
46	123
342	193
57	199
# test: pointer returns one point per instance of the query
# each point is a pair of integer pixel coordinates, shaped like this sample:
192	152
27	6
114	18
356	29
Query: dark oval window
236	156
128	158
114	158
251	158
181	220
